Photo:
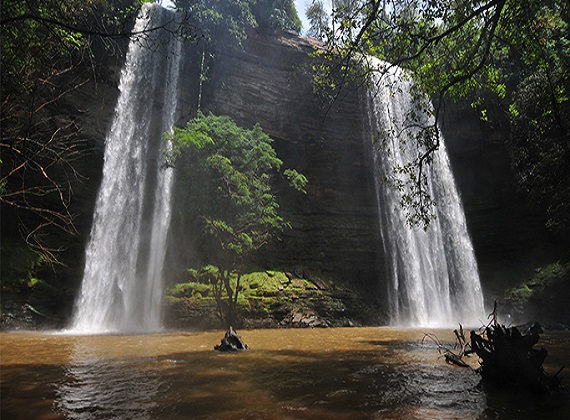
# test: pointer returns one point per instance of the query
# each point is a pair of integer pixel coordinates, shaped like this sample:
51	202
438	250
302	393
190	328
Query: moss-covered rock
34	294
544	297
188	290
270	299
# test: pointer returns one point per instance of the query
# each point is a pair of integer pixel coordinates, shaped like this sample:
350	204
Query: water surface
346	373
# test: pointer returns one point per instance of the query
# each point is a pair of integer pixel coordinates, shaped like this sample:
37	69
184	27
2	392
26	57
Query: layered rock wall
334	226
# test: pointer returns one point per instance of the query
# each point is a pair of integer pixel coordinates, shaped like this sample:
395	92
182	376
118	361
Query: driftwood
231	342
508	357
450	356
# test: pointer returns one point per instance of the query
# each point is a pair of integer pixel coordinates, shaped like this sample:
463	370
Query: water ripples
99	387
365	373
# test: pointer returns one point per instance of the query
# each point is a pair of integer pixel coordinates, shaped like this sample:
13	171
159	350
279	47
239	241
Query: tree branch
82	30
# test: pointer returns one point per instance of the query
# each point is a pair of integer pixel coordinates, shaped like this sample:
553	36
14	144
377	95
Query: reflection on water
364	373
96	386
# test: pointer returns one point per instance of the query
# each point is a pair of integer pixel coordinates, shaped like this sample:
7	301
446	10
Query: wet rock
304	318
231	342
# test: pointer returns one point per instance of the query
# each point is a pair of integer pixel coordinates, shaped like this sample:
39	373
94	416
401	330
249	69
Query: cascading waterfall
433	279
122	279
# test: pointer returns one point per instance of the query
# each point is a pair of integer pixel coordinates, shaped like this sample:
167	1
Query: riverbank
275	299
279	299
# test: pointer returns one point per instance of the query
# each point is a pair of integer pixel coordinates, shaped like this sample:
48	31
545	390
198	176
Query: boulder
231	342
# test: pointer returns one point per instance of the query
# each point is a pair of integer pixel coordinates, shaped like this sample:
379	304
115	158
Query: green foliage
35	282
540	150
228	20
296	179
278	299
537	283
205	275
262	282
42	37
318	20
19	264
227	174
540	111
495	48
233	202
189	290
276	14
219	21
255	284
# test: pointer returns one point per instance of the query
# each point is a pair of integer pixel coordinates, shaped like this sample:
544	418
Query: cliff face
335	224
89	103
509	235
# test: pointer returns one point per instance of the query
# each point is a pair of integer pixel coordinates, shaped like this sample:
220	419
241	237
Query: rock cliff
335	225
509	235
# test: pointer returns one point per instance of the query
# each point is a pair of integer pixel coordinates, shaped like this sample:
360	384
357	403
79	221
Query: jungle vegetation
227	183
51	50
510	55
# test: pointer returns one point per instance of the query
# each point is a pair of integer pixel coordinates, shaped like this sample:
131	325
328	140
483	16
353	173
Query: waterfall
122	280
432	275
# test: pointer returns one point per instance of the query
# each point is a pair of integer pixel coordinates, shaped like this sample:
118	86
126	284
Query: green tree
537	73
233	17
222	21
318	20
228	175
539	150
276	14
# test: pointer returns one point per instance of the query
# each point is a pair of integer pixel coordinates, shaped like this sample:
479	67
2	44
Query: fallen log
454	359
508	357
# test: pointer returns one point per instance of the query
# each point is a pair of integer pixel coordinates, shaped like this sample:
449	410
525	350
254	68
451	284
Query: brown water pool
339	373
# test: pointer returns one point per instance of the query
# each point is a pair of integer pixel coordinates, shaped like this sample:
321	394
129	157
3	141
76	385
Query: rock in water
231	342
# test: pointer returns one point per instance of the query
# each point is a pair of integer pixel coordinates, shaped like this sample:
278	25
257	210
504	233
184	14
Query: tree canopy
318	19
504	50
228	177
230	19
